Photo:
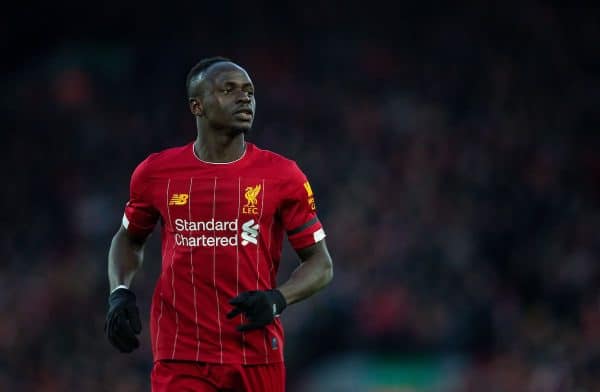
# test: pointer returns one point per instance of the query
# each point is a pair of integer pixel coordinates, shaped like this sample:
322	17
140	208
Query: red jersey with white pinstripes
222	227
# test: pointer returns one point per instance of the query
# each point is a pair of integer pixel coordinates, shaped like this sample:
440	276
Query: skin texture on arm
124	258
314	273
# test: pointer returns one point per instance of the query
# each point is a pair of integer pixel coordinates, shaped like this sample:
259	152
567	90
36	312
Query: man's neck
218	147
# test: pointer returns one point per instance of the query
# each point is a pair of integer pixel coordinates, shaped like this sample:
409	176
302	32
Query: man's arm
123	318
125	257
314	273
262	306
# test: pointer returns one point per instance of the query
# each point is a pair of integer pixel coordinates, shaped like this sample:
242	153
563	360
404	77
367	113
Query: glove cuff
278	300
121	286
119	295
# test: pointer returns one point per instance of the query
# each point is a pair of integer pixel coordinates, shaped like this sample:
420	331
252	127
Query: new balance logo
249	233
179	199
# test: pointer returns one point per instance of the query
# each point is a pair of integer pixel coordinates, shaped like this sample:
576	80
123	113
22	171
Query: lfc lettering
251	195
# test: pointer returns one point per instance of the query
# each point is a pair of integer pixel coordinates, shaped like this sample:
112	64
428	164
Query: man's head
221	95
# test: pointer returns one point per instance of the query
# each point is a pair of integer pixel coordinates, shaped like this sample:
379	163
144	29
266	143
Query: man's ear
196	107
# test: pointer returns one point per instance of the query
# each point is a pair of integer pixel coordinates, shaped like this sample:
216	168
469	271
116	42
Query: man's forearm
311	276
124	259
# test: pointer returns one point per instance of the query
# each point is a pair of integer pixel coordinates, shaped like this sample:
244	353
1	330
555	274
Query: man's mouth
244	111
245	114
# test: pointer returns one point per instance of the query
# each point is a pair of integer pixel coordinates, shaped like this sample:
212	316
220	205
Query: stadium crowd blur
455	160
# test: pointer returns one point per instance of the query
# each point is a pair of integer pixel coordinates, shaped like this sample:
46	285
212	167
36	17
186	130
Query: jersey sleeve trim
306	235
303	227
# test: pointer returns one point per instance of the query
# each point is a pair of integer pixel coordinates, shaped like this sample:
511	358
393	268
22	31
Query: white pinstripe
215	269
173	279
266	334
162	295
158	323
192	272
262	206
237	246
161	300
237	269
269	244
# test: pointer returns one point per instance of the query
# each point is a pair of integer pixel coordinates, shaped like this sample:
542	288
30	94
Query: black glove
260	307
123	320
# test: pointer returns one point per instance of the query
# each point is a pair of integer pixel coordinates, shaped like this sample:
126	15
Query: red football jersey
222	230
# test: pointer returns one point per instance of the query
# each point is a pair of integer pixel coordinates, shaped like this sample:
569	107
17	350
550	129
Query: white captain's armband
125	221
319	235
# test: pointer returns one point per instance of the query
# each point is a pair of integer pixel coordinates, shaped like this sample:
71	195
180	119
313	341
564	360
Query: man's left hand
260	307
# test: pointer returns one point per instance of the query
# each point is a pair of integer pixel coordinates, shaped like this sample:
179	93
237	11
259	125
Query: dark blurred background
454	152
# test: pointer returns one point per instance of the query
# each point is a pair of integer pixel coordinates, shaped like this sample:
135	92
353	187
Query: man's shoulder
277	161
159	159
159	163
169	153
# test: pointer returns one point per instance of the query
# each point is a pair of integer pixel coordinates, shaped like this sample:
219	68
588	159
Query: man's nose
244	97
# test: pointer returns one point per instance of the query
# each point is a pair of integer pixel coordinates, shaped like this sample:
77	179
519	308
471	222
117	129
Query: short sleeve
298	211
140	216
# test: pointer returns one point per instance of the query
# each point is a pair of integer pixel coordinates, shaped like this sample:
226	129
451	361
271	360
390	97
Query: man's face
227	98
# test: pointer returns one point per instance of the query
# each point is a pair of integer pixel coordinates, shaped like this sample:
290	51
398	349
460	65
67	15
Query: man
223	205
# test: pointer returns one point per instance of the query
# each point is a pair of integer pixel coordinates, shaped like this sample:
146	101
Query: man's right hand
123	320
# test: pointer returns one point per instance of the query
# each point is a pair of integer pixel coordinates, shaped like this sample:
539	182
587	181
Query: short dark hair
200	67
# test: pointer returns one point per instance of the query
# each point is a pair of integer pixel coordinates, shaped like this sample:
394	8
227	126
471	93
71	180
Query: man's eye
227	90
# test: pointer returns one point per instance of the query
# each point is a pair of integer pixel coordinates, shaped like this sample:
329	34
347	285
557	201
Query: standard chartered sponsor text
210	228
209	225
